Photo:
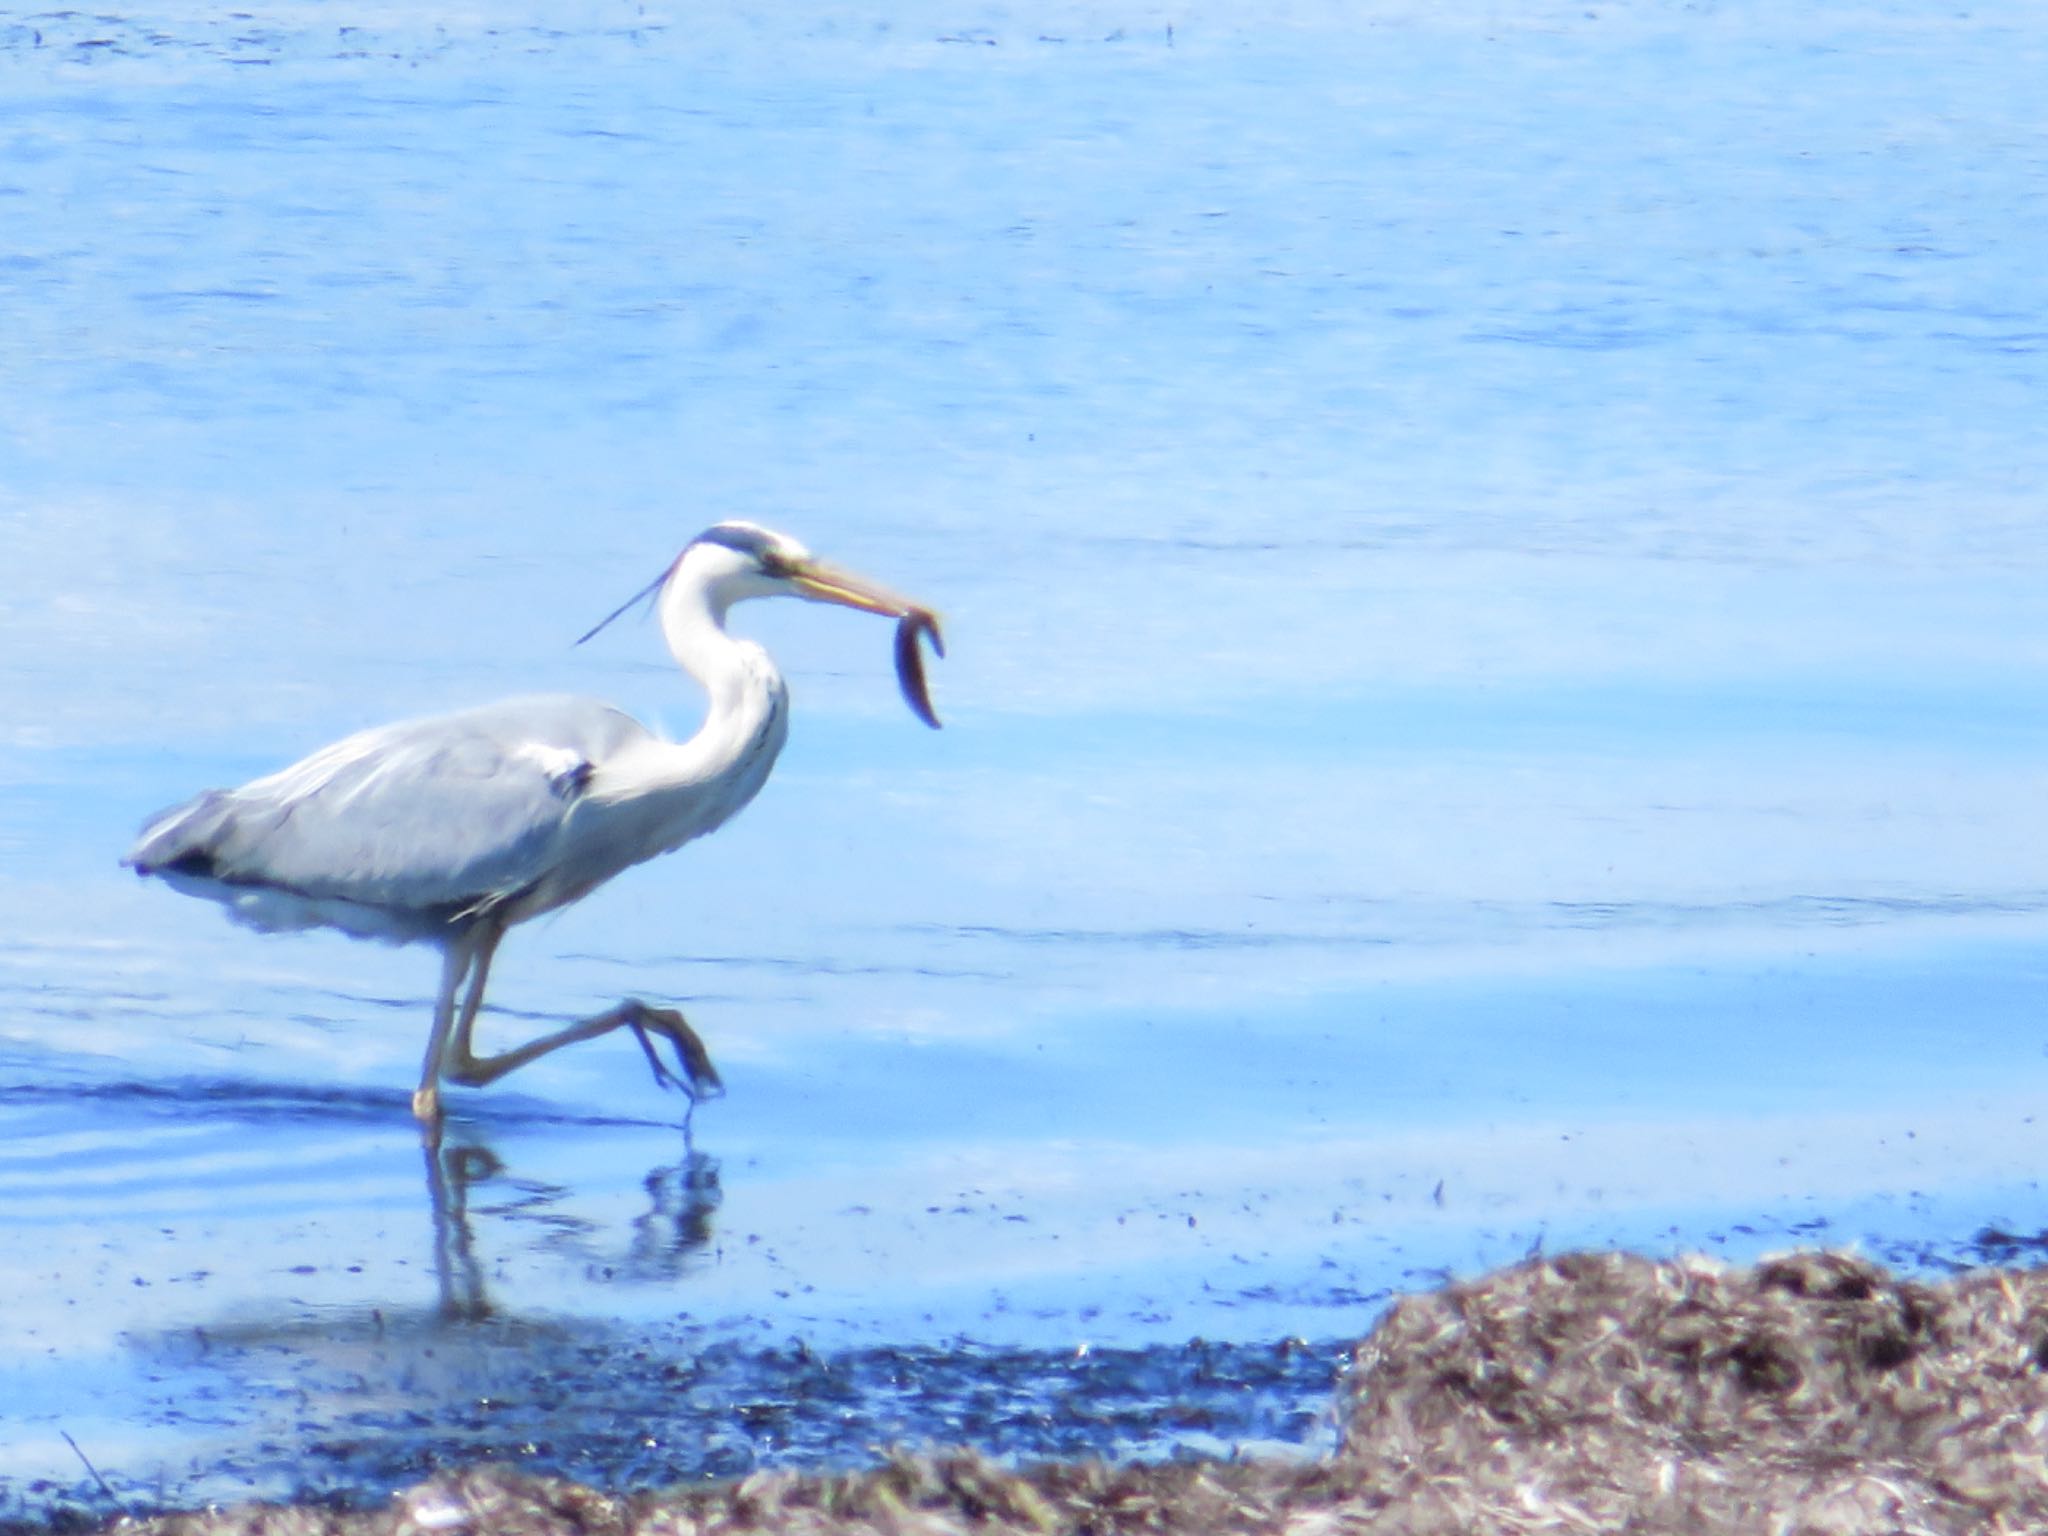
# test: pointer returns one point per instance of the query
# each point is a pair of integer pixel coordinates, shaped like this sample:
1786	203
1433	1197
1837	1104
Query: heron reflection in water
666	1239
450	830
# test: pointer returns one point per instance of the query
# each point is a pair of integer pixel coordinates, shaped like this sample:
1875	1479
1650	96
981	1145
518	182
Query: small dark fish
910	660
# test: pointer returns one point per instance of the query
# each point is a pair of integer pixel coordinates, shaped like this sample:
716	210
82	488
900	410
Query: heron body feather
408	829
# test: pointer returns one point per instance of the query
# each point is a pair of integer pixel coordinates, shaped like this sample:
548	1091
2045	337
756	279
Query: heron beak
823	583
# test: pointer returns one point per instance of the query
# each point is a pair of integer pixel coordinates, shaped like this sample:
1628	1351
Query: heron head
729	562
734	560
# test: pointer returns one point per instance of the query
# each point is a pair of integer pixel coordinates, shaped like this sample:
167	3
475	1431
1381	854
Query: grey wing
426	815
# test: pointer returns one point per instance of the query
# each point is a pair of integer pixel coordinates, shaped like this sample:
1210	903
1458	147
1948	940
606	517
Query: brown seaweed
910	660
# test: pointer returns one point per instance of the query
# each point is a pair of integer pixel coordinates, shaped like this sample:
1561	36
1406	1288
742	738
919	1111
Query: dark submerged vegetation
1812	1395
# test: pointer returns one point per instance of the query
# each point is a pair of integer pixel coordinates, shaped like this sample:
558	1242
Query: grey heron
451	829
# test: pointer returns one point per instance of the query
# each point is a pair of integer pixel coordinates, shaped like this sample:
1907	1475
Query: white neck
732	671
693	786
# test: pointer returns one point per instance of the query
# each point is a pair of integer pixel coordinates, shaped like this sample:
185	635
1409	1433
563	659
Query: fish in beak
823	583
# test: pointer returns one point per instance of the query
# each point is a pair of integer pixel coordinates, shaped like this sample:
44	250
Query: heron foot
699	1079
426	1104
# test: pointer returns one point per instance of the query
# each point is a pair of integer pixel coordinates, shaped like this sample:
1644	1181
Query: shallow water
1496	690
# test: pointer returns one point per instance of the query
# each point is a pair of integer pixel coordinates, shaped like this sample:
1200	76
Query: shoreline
1593	1391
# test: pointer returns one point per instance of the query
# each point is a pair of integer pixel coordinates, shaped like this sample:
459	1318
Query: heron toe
699	1077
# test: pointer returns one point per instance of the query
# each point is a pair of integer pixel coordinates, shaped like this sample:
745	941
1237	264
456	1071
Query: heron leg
483	948
426	1099
699	1078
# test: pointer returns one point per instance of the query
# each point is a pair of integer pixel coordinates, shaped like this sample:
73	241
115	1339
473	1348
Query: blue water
1497	682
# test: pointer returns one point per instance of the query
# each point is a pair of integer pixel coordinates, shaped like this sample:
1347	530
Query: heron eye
775	563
